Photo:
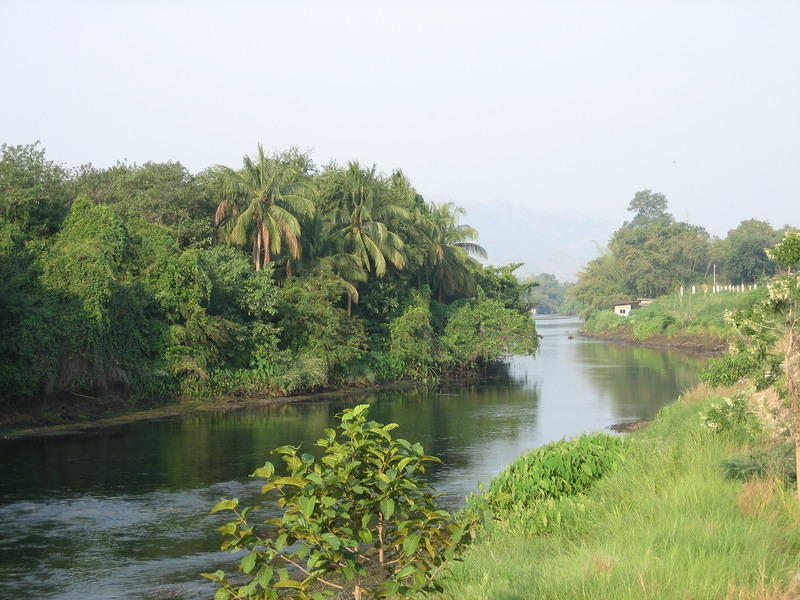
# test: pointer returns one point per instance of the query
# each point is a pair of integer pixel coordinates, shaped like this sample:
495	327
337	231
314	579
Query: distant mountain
547	242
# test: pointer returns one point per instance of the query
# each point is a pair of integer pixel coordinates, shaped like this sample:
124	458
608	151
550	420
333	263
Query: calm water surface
123	512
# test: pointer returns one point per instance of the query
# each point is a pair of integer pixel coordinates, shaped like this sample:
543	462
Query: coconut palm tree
450	248
321	255
361	221
260	202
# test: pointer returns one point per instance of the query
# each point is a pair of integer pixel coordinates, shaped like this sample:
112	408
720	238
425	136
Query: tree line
653	253
150	282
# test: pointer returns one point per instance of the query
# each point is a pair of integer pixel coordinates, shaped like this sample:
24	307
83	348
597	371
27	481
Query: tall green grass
666	524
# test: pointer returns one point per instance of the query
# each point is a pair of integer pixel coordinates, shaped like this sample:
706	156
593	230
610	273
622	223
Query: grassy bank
664	523
691	322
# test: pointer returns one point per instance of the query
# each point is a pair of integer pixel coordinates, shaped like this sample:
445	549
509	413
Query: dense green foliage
554	471
360	520
547	294
652	254
149	282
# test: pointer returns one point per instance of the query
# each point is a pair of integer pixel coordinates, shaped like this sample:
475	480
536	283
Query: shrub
604	319
483	331
556	470
359	521
411	338
776	461
743	362
728	414
648	324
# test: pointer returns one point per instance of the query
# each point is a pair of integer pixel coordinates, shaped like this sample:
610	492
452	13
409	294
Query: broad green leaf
295	481
391	588
247	590
222	594
404	463
387	508
365	535
281	542
266	471
410	544
264	576
225	505
248	562
359	409
333	541
405	571
307	504
315	478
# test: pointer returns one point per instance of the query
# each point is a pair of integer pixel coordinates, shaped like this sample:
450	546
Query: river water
122	512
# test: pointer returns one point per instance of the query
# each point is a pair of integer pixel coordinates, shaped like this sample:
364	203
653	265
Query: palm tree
361	228
260	201
450	246
321	255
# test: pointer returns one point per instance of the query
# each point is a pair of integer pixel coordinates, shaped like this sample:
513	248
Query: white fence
713	289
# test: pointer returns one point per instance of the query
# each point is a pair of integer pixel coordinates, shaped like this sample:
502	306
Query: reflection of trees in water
198	450
634	376
451	422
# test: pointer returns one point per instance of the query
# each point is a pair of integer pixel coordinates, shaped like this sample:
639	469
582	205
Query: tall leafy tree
35	193
746	258
653	252
261	201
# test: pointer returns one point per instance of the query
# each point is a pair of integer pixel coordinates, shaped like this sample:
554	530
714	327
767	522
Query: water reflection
122	511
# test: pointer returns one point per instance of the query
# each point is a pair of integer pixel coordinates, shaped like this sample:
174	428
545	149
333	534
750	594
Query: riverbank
679	341
90	415
692	323
667	523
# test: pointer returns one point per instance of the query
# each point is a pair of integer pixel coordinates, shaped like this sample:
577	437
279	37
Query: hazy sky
554	105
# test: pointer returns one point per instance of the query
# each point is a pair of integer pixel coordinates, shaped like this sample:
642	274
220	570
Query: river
122	512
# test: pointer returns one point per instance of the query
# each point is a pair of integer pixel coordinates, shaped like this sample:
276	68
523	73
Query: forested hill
653	254
148	282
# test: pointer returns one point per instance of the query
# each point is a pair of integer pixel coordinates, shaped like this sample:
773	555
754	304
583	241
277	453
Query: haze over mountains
557	242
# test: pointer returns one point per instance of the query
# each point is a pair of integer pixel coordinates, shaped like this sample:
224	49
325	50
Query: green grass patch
667	523
693	316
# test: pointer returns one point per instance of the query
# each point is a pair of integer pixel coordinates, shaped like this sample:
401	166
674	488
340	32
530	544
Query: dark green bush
777	461
556	470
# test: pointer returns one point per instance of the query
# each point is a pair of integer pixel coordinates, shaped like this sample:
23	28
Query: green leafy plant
360	521
728	414
556	470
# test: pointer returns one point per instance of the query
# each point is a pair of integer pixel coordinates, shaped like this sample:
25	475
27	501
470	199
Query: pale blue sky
551	105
